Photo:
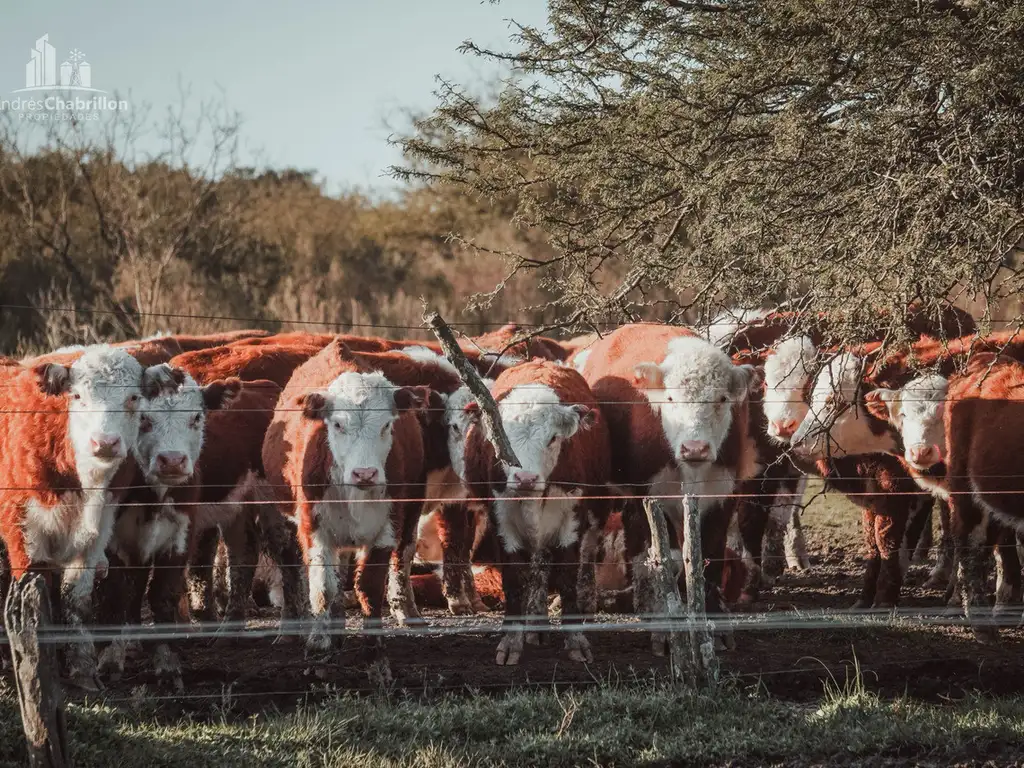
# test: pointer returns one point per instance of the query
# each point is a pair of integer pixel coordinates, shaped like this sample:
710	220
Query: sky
319	85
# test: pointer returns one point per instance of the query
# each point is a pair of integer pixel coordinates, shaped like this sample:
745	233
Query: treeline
93	249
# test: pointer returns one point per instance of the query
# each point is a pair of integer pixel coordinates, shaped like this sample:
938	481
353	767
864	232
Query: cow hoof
986	635
111	662
510	650
479	606
728	641
555	606
883	605
532	638
861	605
317	643
460	606
412	621
747	597
579	648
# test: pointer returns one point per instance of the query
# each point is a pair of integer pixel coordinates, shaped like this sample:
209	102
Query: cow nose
105	446
525	480
922	454
171	462
364	476
695	450
785	427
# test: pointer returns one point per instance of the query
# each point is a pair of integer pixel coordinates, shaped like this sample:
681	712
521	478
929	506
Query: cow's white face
457	421
918	412
787	373
104	391
537	423
837	423
173	423
360	411
693	391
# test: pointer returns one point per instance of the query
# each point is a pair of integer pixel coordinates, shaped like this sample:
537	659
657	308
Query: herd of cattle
129	470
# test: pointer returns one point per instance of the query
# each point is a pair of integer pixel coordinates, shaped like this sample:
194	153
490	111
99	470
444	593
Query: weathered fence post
698	666
659	563
35	672
702	639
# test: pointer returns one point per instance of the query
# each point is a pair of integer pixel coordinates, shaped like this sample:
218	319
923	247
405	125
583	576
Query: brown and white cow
344	454
677	412
545	508
152	526
68	431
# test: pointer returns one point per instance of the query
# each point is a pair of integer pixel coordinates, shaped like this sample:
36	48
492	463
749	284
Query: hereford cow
510	339
983	415
548	505
152	523
68	432
677	411
344	454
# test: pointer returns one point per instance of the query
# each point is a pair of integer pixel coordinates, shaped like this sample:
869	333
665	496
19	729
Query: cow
677	411
68	433
510	339
983	434
270	362
152	523
344	455
191	343
547	507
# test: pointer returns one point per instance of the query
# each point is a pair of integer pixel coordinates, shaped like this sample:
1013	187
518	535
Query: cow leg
919	519
940	576
890	529
322	576
922	536
1008	581
119	599
241	538
282	546
536	597
400	596
752	520
515	576
166	589
795	543
455	530
972	537
714	534
872	560
565	577
371	585
77	584
200	576
586	583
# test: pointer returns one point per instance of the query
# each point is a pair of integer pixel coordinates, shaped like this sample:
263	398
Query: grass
638	724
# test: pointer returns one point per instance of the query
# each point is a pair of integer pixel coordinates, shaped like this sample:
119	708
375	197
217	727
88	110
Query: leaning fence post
702	639
667	589
26	615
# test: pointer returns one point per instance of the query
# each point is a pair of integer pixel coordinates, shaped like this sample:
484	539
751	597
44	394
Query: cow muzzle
106	447
923	456
365	477
695	451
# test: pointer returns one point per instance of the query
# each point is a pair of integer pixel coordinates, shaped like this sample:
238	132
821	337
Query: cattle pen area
335	549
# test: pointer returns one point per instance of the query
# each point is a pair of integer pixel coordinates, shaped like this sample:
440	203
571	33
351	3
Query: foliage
845	156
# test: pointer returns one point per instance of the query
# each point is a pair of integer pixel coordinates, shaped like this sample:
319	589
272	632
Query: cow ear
161	378
313	405
219	395
436	404
882	403
53	379
472	409
411	398
648	375
588	415
744	380
344	354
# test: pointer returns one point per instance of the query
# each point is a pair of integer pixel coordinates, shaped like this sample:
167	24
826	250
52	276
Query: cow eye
669	398
455	429
76	396
145	425
196	420
133	399
723	399
385	430
552	440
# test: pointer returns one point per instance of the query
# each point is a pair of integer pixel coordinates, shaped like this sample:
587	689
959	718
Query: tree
845	156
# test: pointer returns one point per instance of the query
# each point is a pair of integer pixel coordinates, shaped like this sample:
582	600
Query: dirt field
929	663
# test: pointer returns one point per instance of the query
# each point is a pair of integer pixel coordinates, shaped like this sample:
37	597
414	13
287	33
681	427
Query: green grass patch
639	724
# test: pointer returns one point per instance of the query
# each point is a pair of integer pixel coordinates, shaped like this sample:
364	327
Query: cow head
173	422
788	371
693	390
837	422
917	411
537	424
460	412
360	411
104	391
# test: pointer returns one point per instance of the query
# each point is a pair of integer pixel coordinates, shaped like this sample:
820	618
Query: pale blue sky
315	81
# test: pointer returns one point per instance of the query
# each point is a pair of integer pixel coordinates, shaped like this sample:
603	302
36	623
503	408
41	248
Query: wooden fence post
666	588
702	638
697	664
27	614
